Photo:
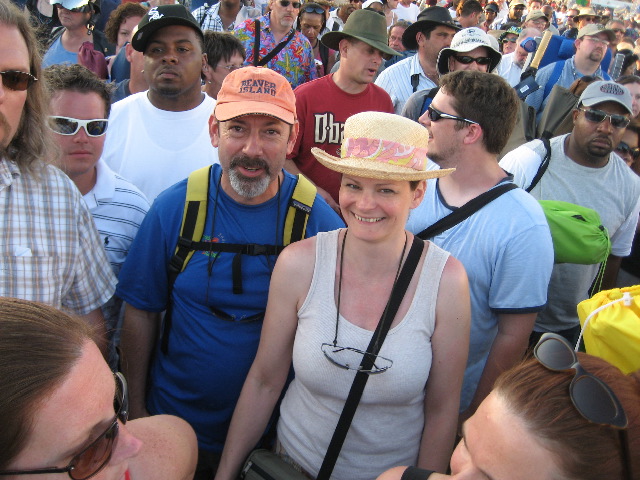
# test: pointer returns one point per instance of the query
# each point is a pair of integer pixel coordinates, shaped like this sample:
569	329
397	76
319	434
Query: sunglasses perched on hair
591	397
436	115
312	9
95	457
466	60
624	149
83	9
70	126
598	116
286	3
18	81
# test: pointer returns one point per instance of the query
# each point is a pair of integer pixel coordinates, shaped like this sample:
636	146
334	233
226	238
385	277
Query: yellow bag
611	326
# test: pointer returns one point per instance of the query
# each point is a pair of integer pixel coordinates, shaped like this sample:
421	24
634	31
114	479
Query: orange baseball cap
255	91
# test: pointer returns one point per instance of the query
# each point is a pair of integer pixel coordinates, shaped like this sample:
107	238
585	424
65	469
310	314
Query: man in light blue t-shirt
505	246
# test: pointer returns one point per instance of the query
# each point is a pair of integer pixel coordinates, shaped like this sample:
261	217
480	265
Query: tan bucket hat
383	146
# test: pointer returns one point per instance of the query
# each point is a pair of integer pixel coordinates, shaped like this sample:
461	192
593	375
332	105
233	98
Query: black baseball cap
162	16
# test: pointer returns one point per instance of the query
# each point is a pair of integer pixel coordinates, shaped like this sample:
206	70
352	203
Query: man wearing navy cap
156	138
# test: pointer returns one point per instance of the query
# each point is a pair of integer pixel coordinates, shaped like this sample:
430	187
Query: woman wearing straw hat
326	298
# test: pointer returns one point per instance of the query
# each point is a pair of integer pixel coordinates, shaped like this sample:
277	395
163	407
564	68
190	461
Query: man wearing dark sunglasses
51	249
280	46
470	50
498	242
583	170
79	108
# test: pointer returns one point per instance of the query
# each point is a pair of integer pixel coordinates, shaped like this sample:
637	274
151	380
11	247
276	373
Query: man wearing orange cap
217	303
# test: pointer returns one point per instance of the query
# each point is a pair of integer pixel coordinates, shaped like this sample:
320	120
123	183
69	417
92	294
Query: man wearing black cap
433	31
158	137
324	104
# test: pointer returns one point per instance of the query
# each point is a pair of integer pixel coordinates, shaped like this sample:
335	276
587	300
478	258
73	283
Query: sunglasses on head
83	9
436	115
312	9
624	149
18	81
591	397
286	3
466	60
70	126
598	116
95	457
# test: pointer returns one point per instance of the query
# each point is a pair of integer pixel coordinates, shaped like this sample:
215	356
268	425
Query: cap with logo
595	29
605	91
429	17
464	41
162	16
255	91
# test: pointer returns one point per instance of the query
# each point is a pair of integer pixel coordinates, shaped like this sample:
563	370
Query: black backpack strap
276	50
544	165
415	80
465	211
324	56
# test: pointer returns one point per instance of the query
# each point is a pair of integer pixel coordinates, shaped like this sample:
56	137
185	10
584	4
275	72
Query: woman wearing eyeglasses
328	295
550	418
64	411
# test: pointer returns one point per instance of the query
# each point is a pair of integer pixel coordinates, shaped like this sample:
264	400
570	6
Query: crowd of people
230	218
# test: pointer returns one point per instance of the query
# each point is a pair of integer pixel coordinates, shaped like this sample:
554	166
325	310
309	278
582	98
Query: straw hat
384	146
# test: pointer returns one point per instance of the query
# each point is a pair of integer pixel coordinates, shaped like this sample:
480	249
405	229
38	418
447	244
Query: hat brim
141	36
445	54
360	167
231	110
332	40
409	35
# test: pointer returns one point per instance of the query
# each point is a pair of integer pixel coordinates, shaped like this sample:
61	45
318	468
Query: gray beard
249	187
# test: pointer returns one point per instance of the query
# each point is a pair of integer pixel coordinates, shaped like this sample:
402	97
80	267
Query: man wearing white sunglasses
79	105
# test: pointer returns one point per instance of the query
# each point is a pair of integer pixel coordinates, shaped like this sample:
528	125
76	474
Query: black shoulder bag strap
465	211
415	81
267	58
360	380
543	166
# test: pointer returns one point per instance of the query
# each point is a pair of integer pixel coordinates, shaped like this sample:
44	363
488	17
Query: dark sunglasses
571	16
70	126
510	40
598	116
618	30
312	9
436	115
286	3
95	457
18	81
466	60
591	397
624	149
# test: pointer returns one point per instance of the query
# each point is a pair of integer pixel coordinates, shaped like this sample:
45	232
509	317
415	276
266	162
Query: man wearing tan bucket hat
324	105
218	300
505	246
410	413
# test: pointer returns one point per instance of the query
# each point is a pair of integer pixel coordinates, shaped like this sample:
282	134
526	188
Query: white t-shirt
155	148
410	13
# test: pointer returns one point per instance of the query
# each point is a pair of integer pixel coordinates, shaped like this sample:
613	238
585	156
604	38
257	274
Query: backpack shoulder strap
465	211
193	219
428	98
553	79
295	224
543	166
